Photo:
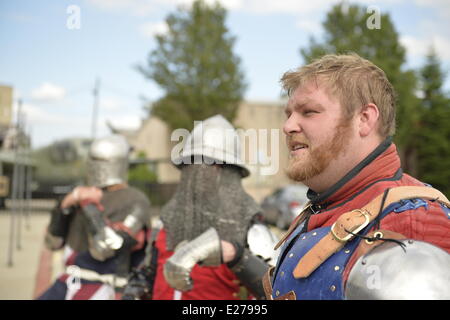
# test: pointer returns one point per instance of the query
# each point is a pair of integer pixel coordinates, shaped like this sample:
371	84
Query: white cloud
46	127
229	4
135	7
124	121
111	103
48	92
309	25
290	6
442	7
38	116
419	47
150	29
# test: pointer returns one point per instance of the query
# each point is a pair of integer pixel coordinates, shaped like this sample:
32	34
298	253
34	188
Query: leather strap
268	288
299	219
355	221
266	283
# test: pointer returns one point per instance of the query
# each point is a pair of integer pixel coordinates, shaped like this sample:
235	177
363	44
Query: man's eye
308	112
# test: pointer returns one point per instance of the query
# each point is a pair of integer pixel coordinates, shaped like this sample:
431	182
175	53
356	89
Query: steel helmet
213	140
108	161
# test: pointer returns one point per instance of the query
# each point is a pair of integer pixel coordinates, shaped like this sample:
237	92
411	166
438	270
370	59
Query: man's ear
368	119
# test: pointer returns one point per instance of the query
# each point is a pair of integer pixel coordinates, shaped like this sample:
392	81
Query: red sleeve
429	223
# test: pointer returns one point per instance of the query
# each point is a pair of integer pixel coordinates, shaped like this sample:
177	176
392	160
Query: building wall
263	118
6	98
154	139
267	119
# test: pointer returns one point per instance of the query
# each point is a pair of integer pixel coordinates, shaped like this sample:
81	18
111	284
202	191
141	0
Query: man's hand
81	195
228	251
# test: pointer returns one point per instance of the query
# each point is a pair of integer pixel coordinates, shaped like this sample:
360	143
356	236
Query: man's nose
291	125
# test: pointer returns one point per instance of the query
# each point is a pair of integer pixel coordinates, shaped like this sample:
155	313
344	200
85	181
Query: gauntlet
205	250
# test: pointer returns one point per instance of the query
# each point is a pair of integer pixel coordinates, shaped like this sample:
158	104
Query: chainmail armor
208	196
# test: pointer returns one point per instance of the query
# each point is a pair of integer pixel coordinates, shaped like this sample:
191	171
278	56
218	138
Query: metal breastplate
326	282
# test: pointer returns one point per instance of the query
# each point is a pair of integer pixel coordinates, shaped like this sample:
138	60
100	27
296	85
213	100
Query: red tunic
427	223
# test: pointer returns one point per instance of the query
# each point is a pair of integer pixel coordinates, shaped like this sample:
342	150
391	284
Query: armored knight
102	227
211	243
370	230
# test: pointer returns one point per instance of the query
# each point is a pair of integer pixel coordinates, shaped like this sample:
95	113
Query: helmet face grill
108	162
103	173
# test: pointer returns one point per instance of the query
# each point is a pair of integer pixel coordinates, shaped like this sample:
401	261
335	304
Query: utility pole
95	108
29	181
15	187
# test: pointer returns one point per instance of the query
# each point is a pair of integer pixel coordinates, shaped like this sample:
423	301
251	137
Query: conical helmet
213	141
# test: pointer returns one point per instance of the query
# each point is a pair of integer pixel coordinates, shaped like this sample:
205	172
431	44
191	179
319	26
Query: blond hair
354	81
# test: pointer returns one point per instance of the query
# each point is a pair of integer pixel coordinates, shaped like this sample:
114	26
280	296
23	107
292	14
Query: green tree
434	140
141	173
347	30
195	65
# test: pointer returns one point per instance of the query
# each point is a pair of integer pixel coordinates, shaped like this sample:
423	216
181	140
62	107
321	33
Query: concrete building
6	98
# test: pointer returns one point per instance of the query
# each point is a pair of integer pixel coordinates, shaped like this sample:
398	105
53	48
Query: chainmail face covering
208	196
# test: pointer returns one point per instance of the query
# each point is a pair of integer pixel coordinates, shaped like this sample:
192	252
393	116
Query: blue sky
53	68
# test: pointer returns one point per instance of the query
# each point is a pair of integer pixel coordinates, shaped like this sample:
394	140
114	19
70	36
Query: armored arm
205	249
62	214
58	227
250	264
104	241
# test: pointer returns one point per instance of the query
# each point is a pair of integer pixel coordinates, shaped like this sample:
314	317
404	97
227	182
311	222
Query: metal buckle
364	213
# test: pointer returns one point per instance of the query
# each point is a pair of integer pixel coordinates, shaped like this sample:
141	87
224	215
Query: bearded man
365	217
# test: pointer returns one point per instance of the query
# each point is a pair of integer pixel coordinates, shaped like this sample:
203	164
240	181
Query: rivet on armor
378	235
314	233
282	273
333	288
410	241
363	262
291	255
336	268
347	251
277	293
304	237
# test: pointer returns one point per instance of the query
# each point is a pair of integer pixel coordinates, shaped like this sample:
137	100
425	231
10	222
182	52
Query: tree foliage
141	173
346	30
195	65
434	139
